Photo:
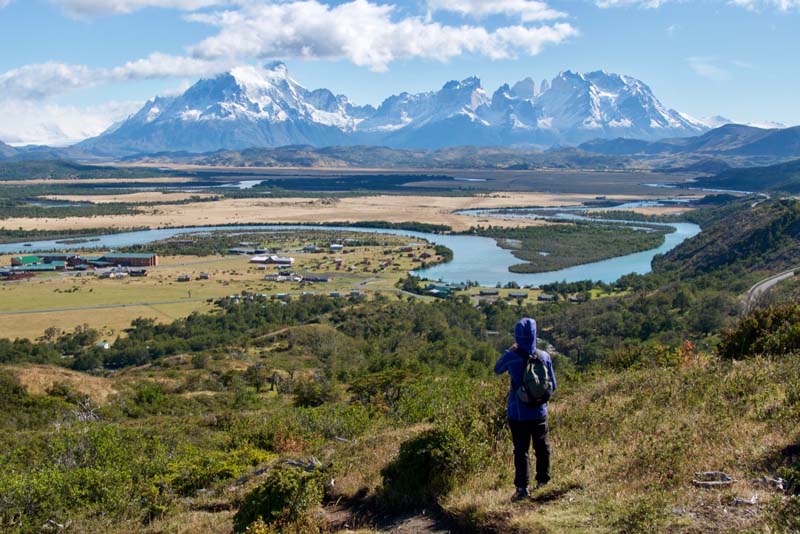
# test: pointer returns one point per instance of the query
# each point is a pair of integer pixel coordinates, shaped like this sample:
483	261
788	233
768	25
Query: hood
525	335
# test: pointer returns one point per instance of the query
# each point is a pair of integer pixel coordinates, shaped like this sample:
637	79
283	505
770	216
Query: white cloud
709	68
753	5
526	10
360	31
37	123
93	8
43	80
4	3
650	4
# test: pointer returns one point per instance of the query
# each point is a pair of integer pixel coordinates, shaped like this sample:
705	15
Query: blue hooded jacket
514	363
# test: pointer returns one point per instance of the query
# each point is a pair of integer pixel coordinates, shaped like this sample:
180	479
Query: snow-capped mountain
265	107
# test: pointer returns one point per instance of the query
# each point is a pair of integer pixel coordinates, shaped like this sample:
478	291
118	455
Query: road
184	300
759	289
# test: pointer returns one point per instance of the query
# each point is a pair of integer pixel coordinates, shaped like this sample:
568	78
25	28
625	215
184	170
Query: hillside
189	438
62	169
730	139
465	157
767	238
784	177
6	151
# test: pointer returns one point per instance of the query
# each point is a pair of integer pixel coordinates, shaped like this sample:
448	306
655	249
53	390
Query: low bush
285	496
428	467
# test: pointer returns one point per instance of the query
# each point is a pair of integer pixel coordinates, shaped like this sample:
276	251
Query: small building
546	297
438	290
489	292
242	251
184	278
310	248
317	278
42	267
144	259
576	299
276	260
335	294
519	295
335	247
18	261
204	276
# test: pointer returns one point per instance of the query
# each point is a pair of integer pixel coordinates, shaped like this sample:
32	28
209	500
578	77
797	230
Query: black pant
523	432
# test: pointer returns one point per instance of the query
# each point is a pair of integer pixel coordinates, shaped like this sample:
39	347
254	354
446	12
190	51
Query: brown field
392	208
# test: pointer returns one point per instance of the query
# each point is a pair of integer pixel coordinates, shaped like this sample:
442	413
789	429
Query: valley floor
391	208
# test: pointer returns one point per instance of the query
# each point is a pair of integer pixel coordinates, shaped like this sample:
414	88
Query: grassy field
66	300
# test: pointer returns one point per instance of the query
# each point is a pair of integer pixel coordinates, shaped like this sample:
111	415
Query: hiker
532	383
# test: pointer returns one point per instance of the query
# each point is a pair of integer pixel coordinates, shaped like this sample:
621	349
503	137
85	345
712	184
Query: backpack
537	383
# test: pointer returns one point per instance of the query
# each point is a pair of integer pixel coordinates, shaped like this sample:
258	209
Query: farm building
336	247
146	259
544	297
489	293
518	295
318	278
42	267
277	260
184	278
18	261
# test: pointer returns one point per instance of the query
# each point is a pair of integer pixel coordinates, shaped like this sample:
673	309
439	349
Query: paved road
759	289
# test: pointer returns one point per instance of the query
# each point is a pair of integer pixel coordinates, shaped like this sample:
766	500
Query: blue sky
71	67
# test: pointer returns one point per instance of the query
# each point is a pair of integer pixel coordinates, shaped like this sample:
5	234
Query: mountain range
264	107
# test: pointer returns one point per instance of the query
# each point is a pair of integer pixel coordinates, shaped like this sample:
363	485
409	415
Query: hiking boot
520	494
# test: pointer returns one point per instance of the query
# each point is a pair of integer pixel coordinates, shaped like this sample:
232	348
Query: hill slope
728	140
783	177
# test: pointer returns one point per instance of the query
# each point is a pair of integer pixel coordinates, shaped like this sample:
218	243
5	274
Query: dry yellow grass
426	209
144	196
37	379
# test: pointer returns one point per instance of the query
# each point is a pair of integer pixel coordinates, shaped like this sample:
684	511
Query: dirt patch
37	379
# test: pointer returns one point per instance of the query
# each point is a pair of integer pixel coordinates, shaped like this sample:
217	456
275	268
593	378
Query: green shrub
313	393
642	517
195	469
785	514
286	495
770	331
428	467
305	524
